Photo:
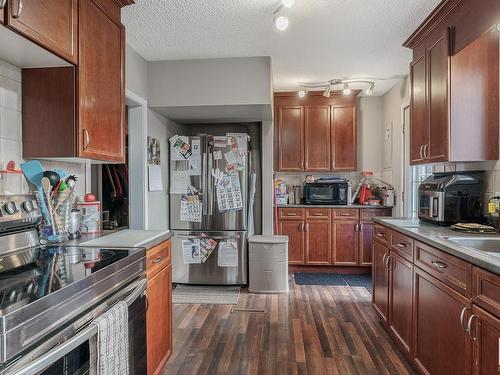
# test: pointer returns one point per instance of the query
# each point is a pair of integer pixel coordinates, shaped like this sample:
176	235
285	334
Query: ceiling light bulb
347	90
301	93
281	23
288	3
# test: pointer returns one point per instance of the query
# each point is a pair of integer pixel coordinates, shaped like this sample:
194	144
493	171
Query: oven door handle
50	357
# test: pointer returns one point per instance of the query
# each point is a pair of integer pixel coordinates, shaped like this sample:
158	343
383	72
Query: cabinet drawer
402	245
369	213
382	234
318	213
292	213
486	290
158	258
454	272
345	213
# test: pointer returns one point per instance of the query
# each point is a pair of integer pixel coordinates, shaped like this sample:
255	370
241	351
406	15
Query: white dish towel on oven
109	350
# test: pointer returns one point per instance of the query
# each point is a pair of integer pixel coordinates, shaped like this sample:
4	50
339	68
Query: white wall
136	73
203	82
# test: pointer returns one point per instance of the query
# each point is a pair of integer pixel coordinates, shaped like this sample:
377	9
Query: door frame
405	160
137	157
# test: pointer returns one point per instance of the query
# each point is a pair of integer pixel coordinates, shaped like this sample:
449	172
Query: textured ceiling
326	38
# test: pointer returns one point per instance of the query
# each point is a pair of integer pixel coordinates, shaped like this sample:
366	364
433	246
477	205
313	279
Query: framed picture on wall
153	151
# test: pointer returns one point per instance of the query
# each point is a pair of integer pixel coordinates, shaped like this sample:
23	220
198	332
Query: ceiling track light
329	86
280	21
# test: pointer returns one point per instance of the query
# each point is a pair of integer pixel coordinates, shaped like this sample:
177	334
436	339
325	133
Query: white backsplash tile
10	94
10	124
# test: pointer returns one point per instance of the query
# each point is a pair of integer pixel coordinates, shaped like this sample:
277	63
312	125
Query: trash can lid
268	239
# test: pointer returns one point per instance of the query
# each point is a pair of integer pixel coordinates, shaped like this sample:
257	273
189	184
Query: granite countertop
124	238
432	235
330	206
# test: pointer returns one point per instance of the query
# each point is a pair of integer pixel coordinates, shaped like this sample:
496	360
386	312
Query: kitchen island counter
125	238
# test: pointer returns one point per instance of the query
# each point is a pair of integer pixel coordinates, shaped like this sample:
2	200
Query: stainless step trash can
268	264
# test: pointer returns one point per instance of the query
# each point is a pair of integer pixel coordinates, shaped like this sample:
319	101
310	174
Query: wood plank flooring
312	330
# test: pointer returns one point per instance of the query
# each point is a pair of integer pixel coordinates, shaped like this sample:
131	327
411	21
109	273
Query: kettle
75	224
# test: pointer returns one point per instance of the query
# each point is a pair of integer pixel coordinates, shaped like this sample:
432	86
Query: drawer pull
345	214
462	315
401	245
157	260
380	234
318	214
291	214
438	264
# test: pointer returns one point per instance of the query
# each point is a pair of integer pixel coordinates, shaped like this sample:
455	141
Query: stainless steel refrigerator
207	162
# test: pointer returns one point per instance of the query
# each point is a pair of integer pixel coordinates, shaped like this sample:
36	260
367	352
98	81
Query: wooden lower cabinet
380	281
365	243
485	333
441	344
345	242
318	242
400	299
295	231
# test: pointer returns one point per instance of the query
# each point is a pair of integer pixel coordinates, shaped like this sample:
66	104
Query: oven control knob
10	208
27	206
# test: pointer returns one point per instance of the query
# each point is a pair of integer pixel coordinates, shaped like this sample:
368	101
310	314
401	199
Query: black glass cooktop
29	275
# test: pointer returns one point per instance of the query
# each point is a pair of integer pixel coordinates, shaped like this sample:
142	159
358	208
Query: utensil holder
53	228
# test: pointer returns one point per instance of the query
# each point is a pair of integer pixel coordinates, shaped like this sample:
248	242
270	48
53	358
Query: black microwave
331	192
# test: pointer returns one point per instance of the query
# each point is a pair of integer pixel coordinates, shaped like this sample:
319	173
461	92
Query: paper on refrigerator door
236	192
195	165
179	148
220	142
229	193
195	147
207	246
217	155
154	178
228	254
191	251
191	208
179	182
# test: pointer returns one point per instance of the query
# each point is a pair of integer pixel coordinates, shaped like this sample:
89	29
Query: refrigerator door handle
210	180
210	237
204	184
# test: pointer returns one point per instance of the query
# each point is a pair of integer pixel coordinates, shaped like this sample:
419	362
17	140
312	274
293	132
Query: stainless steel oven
67	352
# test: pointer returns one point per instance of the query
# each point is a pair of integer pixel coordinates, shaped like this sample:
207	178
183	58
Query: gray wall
232	81
136	73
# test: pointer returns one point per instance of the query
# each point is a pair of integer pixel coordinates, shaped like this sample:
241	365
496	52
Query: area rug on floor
196	294
314	278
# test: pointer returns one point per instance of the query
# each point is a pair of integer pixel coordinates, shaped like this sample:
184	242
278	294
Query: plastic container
268	264
53	227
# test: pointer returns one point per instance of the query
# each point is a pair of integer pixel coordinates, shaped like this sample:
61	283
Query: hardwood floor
312	330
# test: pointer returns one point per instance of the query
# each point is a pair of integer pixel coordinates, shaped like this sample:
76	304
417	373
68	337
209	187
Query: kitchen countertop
432	235
330	206
124	238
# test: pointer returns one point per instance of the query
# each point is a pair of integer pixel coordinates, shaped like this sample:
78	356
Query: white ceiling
326	38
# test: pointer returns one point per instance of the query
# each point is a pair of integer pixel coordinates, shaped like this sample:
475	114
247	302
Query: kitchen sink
489	245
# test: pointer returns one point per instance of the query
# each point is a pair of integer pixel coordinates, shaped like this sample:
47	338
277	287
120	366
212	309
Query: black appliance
450	198
333	192
50	295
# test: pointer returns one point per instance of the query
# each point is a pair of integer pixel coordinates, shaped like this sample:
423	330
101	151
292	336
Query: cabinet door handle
157	260
421	152
301	227
387	260
307	227
2	3
469	327
426	147
383	258
462	315
438	264
19	9
86	140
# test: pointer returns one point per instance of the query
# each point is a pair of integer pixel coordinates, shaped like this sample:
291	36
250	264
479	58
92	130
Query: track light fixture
329	86
280	21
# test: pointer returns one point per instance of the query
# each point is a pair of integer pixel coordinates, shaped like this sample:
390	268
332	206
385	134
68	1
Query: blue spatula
33	171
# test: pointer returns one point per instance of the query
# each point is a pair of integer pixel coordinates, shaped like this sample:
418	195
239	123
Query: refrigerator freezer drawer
209	273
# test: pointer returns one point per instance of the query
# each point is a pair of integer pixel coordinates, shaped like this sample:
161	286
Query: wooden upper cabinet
436	148
101	89
344	140
455	84
291	138
315	133
53	24
419	127
317	138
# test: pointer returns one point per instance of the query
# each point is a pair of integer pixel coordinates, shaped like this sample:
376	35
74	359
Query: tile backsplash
297	178
11	147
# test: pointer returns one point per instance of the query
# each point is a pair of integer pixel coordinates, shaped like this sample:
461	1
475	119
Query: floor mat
316	278
196	294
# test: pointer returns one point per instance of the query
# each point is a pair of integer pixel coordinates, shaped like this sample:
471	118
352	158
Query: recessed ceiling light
302	93
281	23
347	90
288	3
